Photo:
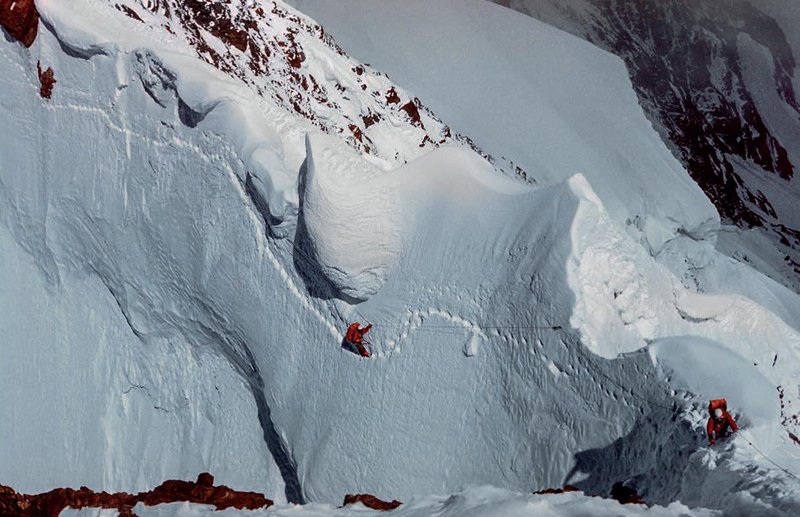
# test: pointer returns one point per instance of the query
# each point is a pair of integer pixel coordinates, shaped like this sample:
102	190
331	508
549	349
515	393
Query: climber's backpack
717	404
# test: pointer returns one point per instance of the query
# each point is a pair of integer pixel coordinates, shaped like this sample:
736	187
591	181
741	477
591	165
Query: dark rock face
202	491
564	490
625	494
687	68
21	19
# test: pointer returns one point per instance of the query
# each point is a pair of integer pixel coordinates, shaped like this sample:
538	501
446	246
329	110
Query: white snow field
550	103
182	255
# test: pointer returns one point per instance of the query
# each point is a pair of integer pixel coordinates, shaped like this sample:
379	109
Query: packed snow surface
180	288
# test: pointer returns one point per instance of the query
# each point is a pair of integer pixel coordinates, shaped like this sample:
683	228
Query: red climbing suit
719	426
355	335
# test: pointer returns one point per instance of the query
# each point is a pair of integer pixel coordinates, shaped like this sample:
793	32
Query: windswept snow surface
86	402
509	320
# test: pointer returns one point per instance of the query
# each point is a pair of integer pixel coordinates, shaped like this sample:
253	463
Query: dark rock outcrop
625	494
370	501
565	489
21	19
202	491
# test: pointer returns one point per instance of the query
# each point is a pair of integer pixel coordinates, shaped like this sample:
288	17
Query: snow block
349	217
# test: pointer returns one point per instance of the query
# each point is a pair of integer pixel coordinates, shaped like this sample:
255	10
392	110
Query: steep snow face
353	224
358	221
208	221
88	403
130	217
719	81
521	90
704	367
626	299
91	397
444	322
103	181
286	58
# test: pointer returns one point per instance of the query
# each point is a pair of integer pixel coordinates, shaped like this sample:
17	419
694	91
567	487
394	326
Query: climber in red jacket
719	421
355	337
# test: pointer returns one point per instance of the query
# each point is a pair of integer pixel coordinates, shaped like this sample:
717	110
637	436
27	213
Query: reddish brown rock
371	119
413	112
392	97
47	80
129	12
357	134
212	16
202	491
50	504
21	19
370	501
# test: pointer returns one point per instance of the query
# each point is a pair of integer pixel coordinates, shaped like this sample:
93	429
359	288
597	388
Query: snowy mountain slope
287	57
283	55
92	401
786	15
519	89
488	296
625	299
719	81
87	403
